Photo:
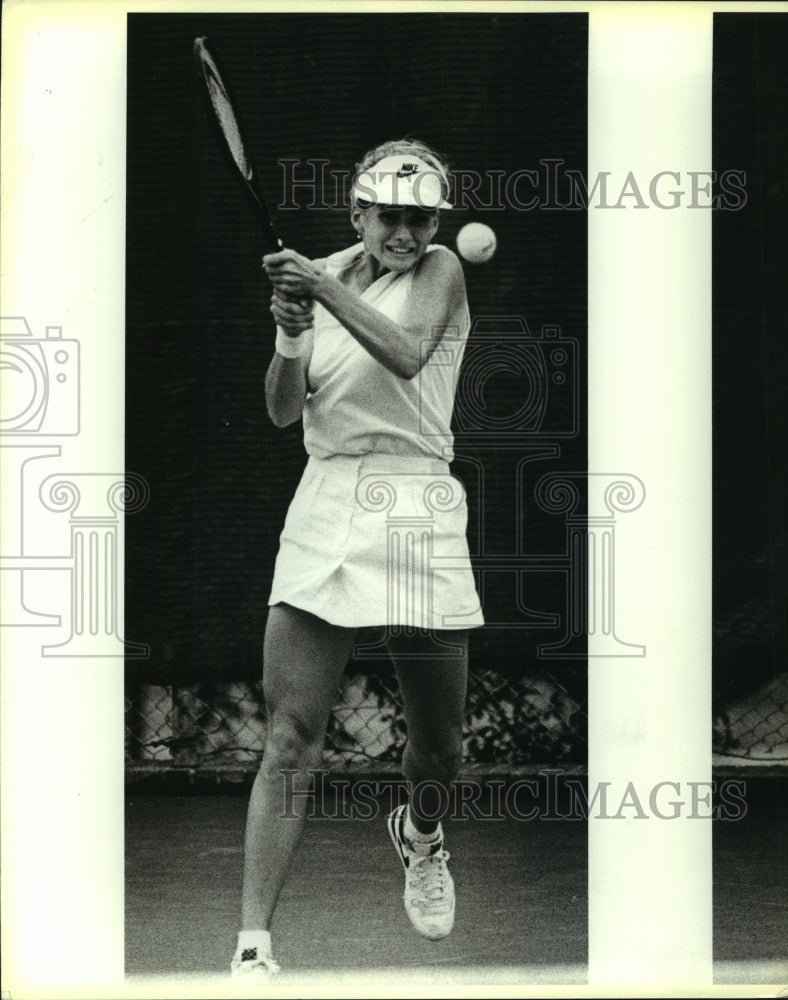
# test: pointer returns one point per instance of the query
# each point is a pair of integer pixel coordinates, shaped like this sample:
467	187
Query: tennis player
356	357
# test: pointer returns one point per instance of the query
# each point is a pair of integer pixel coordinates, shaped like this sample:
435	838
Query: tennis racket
231	137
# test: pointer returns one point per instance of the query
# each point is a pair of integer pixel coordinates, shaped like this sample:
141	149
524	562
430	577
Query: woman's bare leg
304	658
433	678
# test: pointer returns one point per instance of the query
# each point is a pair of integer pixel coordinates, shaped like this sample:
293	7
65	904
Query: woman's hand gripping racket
231	139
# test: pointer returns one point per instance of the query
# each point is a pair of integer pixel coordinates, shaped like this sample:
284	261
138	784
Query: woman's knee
441	762
292	742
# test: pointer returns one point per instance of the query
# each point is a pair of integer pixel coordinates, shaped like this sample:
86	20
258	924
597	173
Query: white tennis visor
401	180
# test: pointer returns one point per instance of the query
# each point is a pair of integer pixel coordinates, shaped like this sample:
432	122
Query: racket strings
229	126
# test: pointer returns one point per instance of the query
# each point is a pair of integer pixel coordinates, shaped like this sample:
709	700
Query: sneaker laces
429	876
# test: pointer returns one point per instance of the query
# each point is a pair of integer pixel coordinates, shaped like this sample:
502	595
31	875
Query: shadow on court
750	858
521	894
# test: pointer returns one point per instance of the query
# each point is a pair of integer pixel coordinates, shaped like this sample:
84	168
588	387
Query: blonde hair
402	147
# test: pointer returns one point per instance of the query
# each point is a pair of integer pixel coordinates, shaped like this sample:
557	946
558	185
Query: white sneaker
429	889
253	964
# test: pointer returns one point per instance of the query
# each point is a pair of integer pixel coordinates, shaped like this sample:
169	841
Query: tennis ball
476	242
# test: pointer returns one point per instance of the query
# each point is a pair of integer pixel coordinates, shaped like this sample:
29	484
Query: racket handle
273	243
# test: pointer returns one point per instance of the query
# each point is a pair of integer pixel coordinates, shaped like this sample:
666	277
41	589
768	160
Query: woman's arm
437	299
285	380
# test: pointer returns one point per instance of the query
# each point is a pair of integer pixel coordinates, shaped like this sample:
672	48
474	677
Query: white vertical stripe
650	416
63	238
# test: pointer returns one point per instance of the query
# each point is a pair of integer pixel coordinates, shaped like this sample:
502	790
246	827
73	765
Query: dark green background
750	356
492	92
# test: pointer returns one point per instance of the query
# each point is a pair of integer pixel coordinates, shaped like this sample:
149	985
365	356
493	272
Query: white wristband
290	347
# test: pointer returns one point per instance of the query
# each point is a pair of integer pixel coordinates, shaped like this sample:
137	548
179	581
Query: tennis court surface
521	889
521	914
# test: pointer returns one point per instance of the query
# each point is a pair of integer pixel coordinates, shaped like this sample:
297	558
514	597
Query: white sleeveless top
355	406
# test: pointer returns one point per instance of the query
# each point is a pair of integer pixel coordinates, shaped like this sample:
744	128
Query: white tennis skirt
378	540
